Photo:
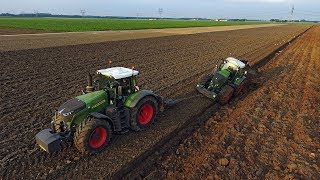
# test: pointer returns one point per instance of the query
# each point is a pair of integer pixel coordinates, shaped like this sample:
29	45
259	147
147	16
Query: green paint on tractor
130	99
225	73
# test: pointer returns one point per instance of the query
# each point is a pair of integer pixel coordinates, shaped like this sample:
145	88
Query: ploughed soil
35	82
31	39
12	31
271	132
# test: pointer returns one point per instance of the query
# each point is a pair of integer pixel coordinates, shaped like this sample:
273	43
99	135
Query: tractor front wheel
225	94
144	113
92	135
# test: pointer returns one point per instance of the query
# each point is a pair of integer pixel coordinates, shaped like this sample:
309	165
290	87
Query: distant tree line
122	17
43	15
284	20
87	16
118	17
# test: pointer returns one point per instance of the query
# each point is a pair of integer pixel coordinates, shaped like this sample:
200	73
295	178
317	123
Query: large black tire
92	135
225	94
241	88
144	113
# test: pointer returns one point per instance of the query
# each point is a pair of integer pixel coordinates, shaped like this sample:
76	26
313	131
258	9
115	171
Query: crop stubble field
37	81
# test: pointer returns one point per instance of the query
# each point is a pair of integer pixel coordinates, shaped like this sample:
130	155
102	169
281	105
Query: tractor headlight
67	113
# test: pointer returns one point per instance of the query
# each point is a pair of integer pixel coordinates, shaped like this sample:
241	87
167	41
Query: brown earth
12	31
35	82
41	40
271	133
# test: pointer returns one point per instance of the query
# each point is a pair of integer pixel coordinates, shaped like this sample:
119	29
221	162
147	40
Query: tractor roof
118	72
236	62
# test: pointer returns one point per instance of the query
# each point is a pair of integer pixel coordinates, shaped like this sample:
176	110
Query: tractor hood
81	102
72	106
92	98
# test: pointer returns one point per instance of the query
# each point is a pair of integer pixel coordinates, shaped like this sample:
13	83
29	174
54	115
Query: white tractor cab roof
236	62
118	72
233	63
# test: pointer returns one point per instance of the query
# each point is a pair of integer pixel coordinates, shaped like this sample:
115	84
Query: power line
160	11
291	12
83	12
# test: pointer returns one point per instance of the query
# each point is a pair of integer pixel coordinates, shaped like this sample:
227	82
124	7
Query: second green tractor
227	81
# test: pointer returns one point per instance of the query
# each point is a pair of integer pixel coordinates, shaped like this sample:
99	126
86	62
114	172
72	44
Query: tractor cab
119	82
233	67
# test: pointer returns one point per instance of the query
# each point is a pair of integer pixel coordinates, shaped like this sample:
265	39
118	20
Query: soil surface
25	40
272	132
13	31
35	82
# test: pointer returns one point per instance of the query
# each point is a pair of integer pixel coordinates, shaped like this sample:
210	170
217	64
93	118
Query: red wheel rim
240	90
228	97
98	137
146	113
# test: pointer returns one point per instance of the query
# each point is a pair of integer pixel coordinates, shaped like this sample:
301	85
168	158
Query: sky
249	9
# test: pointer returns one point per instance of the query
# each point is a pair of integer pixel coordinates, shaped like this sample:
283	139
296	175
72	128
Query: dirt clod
292	167
312	155
223	162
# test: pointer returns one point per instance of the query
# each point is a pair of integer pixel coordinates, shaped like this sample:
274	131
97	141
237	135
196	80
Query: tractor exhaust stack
89	87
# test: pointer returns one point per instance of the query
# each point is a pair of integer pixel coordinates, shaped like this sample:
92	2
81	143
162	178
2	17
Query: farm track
37	81
270	133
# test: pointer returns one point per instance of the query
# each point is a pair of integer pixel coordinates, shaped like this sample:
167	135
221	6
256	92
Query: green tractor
227	81
114	104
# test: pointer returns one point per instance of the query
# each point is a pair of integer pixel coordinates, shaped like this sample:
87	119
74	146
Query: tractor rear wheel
144	113
240	89
92	135
225	94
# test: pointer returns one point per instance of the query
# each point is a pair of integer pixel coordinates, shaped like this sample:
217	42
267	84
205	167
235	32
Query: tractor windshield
127	85
105	83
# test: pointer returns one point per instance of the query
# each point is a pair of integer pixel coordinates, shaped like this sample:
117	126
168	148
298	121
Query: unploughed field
94	24
35	82
272	133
